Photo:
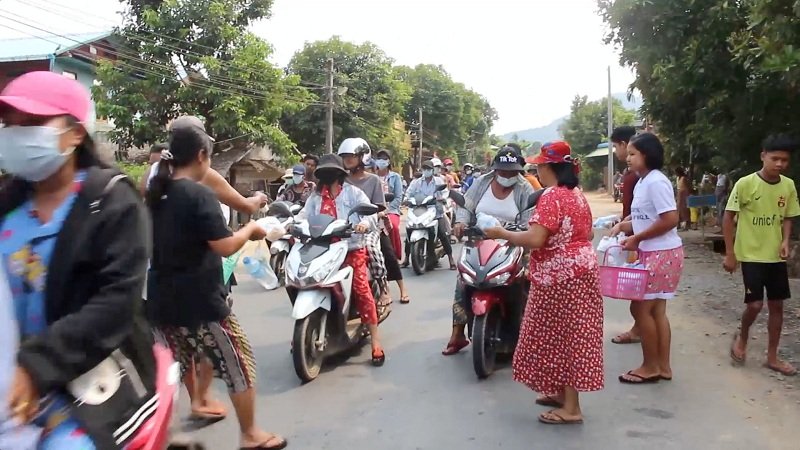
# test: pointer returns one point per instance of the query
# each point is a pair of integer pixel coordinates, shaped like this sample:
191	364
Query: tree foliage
368	96
587	125
716	75
454	117
178	57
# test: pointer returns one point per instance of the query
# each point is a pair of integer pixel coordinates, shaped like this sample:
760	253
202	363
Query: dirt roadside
706	315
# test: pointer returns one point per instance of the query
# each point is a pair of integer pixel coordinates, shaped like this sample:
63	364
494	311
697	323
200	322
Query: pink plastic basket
622	283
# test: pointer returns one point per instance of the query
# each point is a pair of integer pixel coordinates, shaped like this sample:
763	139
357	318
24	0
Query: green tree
178	57
587	125
716	75
368	97
453	115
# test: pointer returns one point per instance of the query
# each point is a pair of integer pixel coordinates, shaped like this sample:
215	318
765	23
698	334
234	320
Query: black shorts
772	277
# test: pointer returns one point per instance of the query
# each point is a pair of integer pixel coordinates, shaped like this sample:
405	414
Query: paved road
422	400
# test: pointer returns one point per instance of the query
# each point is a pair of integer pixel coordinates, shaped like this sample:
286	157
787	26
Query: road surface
422	400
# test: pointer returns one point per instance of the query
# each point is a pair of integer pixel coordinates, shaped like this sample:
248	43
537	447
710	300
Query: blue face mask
297	179
31	153
381	163
427	173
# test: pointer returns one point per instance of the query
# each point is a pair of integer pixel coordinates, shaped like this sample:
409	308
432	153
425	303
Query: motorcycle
422	227
320	288
154	434
494	275
279	249
617	192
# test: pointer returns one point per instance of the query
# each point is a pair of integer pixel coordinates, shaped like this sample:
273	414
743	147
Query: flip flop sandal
737	359
782	371
284	443
454	347
549	401
206	417
626	338
642	380
558	419
405	300
378	361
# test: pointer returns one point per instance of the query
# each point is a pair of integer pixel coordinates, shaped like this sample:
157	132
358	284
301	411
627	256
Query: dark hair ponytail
184	146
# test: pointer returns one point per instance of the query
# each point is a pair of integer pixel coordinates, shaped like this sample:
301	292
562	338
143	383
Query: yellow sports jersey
761	207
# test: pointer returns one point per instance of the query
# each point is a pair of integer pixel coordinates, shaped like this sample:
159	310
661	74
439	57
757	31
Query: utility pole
329	134
610	185
419	159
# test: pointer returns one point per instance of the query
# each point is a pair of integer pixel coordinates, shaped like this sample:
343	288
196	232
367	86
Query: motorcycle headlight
500	279
321	273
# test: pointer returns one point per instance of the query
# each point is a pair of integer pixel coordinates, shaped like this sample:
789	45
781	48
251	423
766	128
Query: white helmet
468	166
436	162
356	146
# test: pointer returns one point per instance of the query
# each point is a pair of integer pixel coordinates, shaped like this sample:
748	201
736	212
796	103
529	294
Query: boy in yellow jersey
764	202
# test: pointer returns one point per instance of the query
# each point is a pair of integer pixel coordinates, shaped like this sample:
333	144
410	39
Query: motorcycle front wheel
307	359
278	263
418	262
485	332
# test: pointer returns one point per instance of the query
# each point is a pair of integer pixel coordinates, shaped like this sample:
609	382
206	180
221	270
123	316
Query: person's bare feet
208	408
261	439
666	375
560	416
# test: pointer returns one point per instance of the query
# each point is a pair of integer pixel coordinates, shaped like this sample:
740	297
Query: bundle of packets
605	222
610	248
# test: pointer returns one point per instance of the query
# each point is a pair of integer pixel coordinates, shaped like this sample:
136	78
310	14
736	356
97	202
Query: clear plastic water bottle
261	272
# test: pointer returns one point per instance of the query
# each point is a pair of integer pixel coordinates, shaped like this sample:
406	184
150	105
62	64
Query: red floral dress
561	340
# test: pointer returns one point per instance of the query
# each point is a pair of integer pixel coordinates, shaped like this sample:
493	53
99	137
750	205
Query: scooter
154	434
279	249
494	274
422	227
326	317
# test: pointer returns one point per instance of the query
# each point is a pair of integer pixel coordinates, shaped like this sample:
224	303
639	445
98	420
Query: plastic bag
485	221
229	265
609	249
272	226
259	268
605	222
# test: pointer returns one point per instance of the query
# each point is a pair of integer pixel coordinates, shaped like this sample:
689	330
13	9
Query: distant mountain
550	132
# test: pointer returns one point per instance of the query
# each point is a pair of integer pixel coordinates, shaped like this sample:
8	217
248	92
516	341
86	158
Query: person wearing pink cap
560	347
74	243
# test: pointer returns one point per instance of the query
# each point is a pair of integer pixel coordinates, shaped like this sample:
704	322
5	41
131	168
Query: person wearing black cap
426	186
502	193
187	297
336	197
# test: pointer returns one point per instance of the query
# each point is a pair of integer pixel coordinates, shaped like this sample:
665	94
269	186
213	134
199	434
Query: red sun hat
554	152
47	94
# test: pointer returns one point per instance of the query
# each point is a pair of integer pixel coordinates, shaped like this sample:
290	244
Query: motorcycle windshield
311	251
318	224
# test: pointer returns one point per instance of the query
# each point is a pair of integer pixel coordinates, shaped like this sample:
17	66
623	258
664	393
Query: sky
529	58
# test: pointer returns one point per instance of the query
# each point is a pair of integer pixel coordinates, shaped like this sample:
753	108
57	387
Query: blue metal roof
38	48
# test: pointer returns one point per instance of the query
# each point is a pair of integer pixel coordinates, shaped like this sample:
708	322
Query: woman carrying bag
74	243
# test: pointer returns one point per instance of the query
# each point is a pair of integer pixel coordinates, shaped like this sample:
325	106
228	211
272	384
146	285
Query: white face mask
32	153
506	182
427	173
297	179
381	163
476	174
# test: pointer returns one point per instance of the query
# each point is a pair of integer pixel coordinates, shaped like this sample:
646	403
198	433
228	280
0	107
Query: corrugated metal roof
37	48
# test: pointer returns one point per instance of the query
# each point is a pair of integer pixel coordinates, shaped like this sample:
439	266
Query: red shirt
629	181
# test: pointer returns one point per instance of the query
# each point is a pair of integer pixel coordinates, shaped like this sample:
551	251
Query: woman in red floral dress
560	348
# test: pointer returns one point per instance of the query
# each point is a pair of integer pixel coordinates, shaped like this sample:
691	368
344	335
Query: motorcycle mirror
279	209
389	197
365	209
296	209
457	198
457	186
441	187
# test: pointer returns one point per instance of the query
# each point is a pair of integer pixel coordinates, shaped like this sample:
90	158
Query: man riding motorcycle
426	186
502	193
469	178
300	189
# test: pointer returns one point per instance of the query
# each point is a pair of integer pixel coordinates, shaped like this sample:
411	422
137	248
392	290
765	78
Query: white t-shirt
504	210
654	195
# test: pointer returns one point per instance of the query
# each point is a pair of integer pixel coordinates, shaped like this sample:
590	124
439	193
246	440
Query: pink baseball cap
47	94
